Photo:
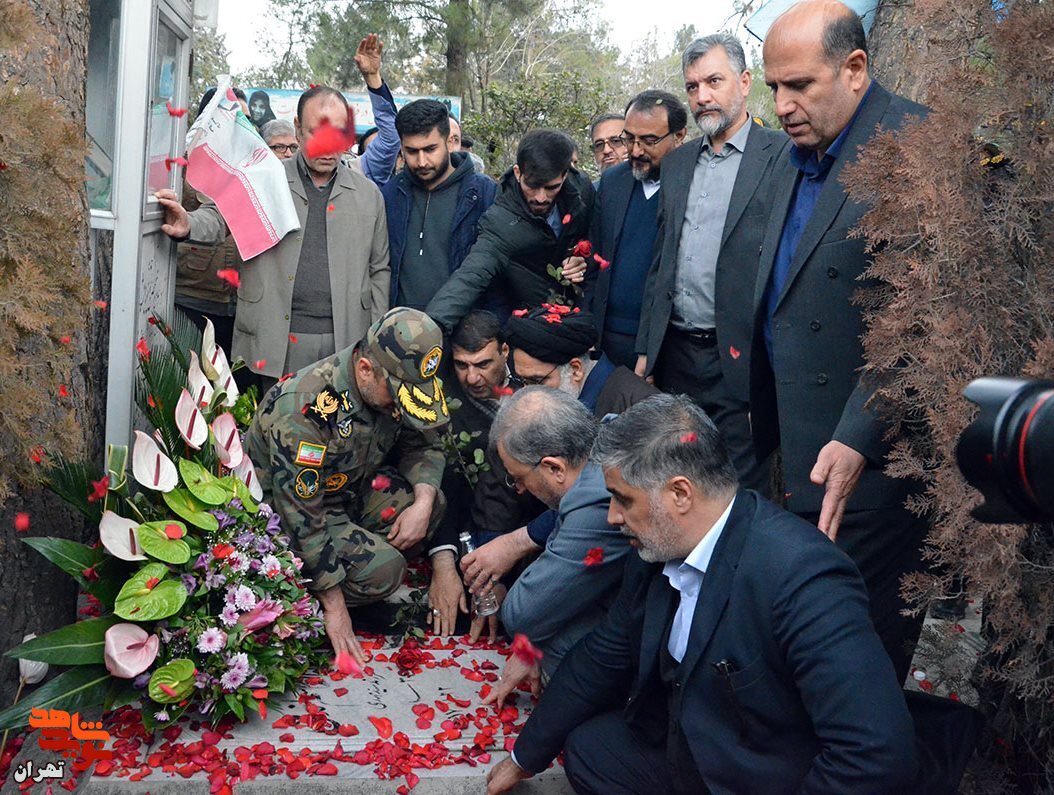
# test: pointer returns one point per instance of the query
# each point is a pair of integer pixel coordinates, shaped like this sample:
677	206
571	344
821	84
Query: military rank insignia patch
420	404
307	483
336	482
323	408
430	362
345	427
310	455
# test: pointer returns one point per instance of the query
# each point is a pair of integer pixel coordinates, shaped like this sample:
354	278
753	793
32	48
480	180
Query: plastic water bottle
487	604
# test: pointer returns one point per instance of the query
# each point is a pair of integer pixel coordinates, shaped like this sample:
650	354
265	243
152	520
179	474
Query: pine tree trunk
457	35
897	51
34	595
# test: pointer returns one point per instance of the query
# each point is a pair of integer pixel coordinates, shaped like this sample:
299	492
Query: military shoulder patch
310	454
306	483
323	408
336	482
430	362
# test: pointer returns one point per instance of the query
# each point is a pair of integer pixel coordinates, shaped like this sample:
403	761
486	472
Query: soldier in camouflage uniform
320	441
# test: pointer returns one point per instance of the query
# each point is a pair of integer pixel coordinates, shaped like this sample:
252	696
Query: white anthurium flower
190	421
225	381
151	467
31	671
228	444
247	473
199	386
120	537
210	351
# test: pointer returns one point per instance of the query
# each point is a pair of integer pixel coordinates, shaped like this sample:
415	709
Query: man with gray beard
696	322
624	225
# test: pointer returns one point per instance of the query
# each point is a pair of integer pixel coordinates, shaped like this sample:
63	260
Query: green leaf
478	455
241	491
552	271
178	675
84	686
188	508
236	705
76	644
136	602
70	556
203	485
72	482
153	537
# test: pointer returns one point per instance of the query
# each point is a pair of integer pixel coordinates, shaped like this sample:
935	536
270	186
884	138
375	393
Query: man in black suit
741	638
806	393
625	219
694	334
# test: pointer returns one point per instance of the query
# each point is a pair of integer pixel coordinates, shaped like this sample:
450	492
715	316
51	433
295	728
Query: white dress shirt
686	576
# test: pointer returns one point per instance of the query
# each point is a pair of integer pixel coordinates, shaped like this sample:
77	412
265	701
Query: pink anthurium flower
225	381
128	650
120	537
228	444
247	473
190	421
150	466
210	351
264	614
197	383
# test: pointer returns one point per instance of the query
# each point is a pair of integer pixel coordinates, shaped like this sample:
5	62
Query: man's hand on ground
495	559
368	59
838	468
338	624
491	621
177	221
516	671
446	593
504	776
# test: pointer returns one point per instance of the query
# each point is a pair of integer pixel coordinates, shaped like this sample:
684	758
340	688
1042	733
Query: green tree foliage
210	60
337	31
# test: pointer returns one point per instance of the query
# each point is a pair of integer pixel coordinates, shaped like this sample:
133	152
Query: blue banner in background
280	103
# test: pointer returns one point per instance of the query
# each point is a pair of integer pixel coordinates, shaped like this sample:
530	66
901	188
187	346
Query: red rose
583	248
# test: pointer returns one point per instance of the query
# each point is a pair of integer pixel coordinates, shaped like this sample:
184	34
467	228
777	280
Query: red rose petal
594	557
347	730
689	438
733	351
380	483
286	738
383	726
174	111
293	339
340	691
566	219
388	514
22	522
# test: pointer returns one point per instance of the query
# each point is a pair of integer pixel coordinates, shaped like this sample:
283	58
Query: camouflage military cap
409	346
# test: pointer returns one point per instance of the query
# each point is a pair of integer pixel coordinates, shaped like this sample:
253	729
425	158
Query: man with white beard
697	318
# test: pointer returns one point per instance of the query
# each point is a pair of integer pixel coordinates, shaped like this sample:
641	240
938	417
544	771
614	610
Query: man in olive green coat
319	440
319	289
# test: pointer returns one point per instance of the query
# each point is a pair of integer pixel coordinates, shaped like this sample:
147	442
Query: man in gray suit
807	395
695	327
543	437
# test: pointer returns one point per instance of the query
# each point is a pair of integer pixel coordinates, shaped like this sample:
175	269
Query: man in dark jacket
434	205
553	353
543	210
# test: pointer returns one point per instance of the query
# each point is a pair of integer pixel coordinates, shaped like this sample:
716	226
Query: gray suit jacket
748	211
357	241
817	395
558	599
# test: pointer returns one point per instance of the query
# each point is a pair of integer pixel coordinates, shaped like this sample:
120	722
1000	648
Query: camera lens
1007	452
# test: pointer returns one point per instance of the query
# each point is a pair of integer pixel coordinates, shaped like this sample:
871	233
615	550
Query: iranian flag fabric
230	163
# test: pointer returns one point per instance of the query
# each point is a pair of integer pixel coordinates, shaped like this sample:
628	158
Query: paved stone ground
330	744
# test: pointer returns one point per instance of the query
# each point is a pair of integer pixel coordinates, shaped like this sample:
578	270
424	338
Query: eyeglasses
519	381
281	149
646	141
615	142
514	483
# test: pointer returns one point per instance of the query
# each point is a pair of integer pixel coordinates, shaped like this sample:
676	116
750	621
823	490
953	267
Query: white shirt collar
699	558
651	187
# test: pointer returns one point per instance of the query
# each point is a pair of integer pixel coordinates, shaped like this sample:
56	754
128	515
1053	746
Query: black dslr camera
1007	452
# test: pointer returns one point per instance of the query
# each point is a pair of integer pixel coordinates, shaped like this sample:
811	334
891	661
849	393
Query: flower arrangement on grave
196	597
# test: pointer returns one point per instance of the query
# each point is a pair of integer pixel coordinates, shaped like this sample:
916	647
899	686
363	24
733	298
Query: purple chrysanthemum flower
232	680
212	640
239	662
238	562
229	616
244	598
161	716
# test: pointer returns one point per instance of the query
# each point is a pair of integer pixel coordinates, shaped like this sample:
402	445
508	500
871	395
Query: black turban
553	334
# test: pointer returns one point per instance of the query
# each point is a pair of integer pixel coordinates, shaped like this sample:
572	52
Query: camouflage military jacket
316	446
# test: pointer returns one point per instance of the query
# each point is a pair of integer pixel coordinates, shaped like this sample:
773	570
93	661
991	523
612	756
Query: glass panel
101	99
161	136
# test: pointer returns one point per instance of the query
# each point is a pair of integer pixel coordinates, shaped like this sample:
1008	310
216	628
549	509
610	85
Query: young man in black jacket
543	210
434	205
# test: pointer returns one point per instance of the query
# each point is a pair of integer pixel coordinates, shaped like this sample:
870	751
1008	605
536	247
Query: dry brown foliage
43	290
962	227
